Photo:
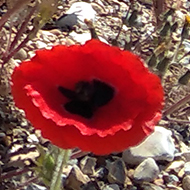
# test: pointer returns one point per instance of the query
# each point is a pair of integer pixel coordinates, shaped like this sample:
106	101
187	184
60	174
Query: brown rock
159	182
186	182
175	166
181	173
130	173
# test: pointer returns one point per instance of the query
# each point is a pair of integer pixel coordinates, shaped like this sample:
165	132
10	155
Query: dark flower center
87	97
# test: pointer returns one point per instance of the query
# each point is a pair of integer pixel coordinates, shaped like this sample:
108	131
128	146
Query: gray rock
146	171
158	145
111	187
186	182
67	22
186	155
87	165
117	172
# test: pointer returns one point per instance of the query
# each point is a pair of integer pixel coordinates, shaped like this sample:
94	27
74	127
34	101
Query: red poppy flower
93	96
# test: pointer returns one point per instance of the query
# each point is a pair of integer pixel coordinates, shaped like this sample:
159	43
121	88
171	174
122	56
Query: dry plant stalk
40	11
158	6
11	12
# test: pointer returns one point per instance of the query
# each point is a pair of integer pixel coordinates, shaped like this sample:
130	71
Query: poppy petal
46	83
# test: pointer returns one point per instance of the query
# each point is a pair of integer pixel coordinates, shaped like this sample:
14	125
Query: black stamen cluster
87	97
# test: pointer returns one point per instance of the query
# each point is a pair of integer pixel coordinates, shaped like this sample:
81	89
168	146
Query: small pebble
181	173
41	45
146	171
175	166
187	156
187	168
32	138
21	54
159	182
81	38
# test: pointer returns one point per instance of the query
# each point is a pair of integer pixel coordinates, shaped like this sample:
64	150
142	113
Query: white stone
159	146
80	38
83	11
32	138
187	168
186	44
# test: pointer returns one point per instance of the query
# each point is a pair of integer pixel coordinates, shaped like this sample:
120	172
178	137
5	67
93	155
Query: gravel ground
131	25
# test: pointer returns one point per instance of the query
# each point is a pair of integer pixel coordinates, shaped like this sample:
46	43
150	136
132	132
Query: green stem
62	160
